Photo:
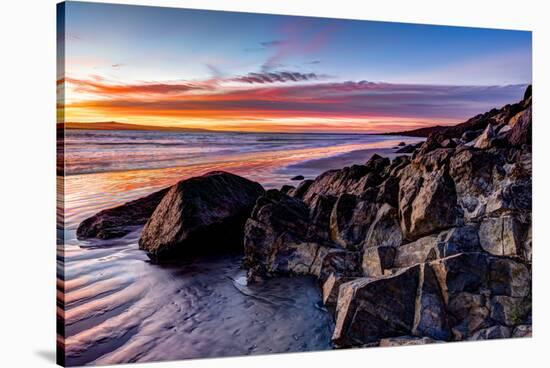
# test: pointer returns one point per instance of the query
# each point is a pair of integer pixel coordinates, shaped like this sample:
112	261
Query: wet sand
120	308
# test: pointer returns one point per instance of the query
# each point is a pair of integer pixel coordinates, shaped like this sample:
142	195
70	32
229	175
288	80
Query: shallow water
120	308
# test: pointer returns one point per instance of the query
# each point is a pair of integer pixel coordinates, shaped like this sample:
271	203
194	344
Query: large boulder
121	220
200	215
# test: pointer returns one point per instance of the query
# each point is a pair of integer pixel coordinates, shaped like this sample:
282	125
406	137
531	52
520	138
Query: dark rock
377	163
119	221
510	311
457	240
377	259
521	129
467	272
409	148
355	180
490	333
430	310
279	237
336	261
385	229
470	135
407	302
298	177
331	288
369	309
468	313
406	341
523	331
509	278
528	92
301	189
427	197
200	215
388	191
287	188
501	236
401	144
320	210
350	220
485	140
415	252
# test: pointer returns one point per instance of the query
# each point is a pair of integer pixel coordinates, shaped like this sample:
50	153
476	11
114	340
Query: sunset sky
254	72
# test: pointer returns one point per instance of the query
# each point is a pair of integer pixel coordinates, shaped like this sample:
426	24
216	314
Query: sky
259	72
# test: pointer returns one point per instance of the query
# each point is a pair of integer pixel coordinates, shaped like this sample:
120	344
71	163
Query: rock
501	236
336	261
370	309
473	173
385	229
465	272
350	220
298	177
470	135
291	258
490	333
509	278
388	191
349	180
448	143
521	132
121	220
427	198
463	239
401	144
406	341
377	259
287	188
430	310
409	148
377	163
468	313
320	210
275	215
331	288
415	252
485	140
301	189
510	311
523	331
201	214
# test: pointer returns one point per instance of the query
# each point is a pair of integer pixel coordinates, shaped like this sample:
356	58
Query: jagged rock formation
430	247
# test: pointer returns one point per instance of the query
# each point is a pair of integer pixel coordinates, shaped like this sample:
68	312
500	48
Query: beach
121	308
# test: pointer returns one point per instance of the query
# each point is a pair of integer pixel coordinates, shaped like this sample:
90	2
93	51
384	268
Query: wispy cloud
273	43
274	77
99	87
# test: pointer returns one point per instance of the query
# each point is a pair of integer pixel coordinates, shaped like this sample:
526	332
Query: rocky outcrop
435	246
200	215
121	220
